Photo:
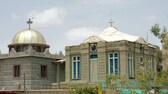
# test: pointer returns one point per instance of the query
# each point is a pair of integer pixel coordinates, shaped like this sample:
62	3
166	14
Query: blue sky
68	22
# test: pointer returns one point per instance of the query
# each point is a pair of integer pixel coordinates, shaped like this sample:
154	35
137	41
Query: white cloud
79	34
149	18
48	17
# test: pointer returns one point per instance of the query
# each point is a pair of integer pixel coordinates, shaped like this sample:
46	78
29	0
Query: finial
29	22
111	22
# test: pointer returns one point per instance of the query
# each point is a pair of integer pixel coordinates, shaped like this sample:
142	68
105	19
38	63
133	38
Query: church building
109	53
29	64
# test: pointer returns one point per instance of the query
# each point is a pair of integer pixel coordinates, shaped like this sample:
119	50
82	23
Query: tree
143	76
163	78
161	34
157	32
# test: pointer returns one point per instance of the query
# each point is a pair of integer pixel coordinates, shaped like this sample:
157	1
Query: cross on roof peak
29	22
111	22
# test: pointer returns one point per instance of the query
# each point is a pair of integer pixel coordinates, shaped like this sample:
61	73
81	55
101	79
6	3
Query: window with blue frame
76	67
131	66
93	56
113	63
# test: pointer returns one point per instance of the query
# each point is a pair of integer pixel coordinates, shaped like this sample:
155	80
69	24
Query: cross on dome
29	22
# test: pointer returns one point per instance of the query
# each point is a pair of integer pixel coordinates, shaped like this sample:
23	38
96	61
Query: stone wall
31	67
101	72
37	81
7	80
85	59
67	65
103	49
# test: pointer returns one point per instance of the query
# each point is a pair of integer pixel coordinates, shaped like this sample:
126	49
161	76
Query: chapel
29	63
109	53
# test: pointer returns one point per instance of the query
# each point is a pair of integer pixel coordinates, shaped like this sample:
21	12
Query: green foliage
108	80
159	56
142	77
156	30
114	77
86	90
83	90
114	81
124	81
163	78
111	78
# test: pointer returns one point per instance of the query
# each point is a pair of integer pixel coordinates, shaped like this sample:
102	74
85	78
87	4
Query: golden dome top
28	36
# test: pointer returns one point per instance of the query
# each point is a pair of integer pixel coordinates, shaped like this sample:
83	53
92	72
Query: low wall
61	91
70	85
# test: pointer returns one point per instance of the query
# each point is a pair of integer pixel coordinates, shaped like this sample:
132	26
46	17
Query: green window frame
76	67
131	66
113	63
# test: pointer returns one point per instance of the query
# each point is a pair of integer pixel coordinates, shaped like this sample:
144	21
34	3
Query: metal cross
111	22
29	22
